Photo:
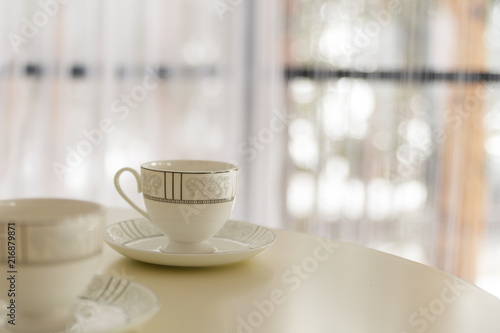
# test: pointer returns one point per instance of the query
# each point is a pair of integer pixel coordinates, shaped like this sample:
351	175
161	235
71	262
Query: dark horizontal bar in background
425	75
400	76
33	70
79	71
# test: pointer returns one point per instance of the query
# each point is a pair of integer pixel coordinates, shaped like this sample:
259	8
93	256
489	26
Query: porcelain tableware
188	200
141	240
49	250
108	305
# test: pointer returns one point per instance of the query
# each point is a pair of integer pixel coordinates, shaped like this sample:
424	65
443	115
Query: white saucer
109	305
139	239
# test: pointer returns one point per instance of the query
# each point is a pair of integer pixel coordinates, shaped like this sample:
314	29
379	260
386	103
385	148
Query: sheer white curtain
90	86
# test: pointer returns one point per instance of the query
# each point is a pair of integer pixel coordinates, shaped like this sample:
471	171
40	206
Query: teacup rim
93	208
231	167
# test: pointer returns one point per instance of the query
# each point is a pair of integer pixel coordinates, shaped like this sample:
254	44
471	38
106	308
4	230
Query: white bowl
49	249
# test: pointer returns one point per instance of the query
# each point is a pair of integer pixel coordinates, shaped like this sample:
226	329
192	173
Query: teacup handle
139	189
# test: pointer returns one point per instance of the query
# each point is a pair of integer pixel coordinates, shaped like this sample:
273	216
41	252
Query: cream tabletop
308	284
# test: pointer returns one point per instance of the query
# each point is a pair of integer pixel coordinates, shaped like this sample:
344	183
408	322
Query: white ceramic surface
55	248
188	200
109	305
139	239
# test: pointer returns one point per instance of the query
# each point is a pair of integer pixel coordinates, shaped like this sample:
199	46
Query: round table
308	284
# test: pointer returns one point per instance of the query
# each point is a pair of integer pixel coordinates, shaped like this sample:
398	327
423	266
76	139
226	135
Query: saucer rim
247	252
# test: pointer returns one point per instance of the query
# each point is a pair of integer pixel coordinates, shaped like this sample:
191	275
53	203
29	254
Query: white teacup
49	250
188	200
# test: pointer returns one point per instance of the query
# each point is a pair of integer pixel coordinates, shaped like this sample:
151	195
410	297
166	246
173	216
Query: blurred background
370	121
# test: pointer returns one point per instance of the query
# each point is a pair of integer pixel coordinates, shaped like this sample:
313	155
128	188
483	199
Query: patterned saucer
109	305
139	239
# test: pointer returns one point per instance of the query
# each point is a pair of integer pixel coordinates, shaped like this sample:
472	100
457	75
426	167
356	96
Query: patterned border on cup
188	188
193	202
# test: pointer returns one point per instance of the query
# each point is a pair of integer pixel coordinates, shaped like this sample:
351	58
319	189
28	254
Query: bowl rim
79	209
